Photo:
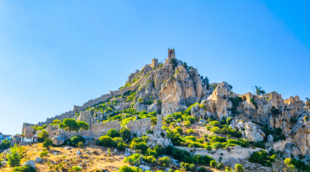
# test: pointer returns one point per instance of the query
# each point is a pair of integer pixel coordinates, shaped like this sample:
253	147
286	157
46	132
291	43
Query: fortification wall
139	126
92	102
226	154
103	128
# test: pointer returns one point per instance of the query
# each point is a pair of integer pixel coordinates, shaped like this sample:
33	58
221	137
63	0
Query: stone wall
171	107
92	102
52	130
139	127
103	128
226	154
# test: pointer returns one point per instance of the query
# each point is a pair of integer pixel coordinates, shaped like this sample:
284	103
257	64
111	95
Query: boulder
38	160
78	152
270	138
30	163
58	140
253	133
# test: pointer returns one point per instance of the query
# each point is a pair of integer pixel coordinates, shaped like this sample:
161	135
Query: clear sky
56	54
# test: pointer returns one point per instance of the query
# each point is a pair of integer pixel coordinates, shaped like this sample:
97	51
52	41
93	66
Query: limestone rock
253	133
58	140
38	160
78	152
30	163
270	138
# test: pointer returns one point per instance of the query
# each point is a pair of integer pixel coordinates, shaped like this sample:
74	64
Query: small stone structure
159	136
140	126
27	129
52	130
171	107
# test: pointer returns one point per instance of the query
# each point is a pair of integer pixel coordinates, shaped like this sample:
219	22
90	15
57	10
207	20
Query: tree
43	135
13	157
56	122
213	164
83	125
112	133
69	124
106	141
5	144
205	82
75	140
239	168
125	134
259	90
121	146
47	143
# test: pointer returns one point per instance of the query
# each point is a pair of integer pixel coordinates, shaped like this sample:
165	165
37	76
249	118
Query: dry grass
89	161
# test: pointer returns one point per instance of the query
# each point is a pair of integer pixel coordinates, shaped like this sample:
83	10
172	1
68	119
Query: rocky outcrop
250	131
30	163
159	136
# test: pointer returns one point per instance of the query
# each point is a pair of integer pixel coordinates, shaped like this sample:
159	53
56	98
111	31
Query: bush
187	123
228	120
126	168
76	168
112	133
261	157
106	141
74	141
215	123
165	161
190	131
217	145
13	157
42	136
239	168
187	166
228	169
149	159
208	147
26	168
80	144
125	134
178	130
219	165
202	169
213	164
121	146
133	159
47	143
43	153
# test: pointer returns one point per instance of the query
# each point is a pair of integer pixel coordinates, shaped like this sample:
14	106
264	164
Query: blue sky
56	54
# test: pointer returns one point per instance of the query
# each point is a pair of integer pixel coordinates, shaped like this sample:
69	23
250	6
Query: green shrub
112	133
106	141
214	123
47	143
80	144
187	123
202	169
217	145
121	146
125	134
216	130
213	164
165	161
26	168
190	131
13	157
178	130
219	165
228	120
149	159
261	157
239	168
134	159
74	141
228	169
76	168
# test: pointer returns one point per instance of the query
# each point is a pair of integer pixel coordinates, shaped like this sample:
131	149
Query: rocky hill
170	111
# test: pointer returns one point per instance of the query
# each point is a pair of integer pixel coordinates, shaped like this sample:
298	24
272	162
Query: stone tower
171	53
85	116
154	63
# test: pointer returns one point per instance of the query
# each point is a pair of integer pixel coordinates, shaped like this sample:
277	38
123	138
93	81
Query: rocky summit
168	117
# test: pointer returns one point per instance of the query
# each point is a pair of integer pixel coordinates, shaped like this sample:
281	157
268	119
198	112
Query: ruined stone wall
103	128
171	107
226	154
139	127
92	102
85	116
52	130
